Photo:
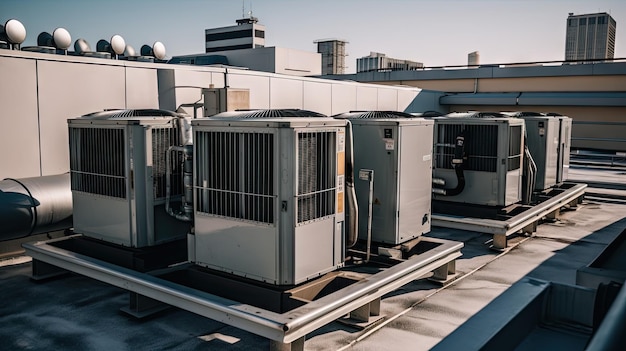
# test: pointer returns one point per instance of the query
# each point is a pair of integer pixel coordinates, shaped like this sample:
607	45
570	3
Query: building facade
377	61
333	53
590	37
247	34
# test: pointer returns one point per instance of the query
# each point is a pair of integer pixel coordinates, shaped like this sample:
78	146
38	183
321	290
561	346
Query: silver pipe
353	208
439	191
439	181
370	203
187	205
30	204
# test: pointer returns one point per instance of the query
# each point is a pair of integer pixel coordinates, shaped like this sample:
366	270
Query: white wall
39	92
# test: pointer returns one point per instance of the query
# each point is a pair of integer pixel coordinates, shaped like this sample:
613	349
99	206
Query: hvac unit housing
492	160
548	139
118	180
398	148
269	194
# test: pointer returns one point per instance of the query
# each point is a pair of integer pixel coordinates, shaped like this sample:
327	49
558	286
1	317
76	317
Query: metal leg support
140	306
297	345
445	273
42	270
499	242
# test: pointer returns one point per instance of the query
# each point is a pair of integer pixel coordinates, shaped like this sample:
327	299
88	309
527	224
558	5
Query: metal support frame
526	221
286	330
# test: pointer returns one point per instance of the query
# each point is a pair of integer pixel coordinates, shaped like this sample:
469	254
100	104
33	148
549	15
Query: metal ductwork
33	205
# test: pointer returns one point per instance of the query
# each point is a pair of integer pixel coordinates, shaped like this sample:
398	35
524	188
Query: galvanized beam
283	329
523	221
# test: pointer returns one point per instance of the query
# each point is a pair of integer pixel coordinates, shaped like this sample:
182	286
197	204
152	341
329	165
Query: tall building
590	37
333	55
473	58
247	34
378	61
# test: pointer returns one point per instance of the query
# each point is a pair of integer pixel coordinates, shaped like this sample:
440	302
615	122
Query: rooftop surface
78	313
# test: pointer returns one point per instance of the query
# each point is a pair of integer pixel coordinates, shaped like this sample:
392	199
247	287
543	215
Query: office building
378	61
590	37
247	34
333	53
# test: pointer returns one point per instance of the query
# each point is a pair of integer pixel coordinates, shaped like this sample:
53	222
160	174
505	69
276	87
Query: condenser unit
478	158
269	194
118	176
548	140
397	147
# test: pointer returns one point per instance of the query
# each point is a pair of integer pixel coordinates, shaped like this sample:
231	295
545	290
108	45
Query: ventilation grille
162	139
374	115
235	175
97	161
481	146
316	175
514	160
269	113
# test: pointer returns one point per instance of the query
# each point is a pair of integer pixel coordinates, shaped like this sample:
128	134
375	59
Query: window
582	22
228	35
259	33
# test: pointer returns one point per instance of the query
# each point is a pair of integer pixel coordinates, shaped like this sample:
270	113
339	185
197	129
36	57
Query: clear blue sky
435	32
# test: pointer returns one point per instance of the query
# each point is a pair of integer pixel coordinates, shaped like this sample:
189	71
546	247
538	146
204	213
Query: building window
259	33
582	22
601	20
592	20
228	35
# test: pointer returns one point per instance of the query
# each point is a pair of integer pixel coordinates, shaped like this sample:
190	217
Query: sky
435	32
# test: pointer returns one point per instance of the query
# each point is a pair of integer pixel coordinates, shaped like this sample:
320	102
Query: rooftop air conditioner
478	158
269	188
118	167
397	147
548	141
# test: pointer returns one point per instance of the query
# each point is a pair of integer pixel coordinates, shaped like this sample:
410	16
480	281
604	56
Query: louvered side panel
235	175
316	175
97	161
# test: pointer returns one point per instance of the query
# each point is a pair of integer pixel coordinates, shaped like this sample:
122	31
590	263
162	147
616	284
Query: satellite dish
61	38
157	50
81	46
129	51
118	44
103	46
13	31
45	39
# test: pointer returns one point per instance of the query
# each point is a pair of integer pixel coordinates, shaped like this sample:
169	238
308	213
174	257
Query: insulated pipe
353	209
187	203
30	204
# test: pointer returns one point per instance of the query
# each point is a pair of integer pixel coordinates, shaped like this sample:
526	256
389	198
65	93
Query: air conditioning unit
397	147
269	194
118	176
478	156
548	138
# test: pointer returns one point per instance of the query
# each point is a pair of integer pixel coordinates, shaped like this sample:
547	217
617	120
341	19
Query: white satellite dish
14	31
118	44
61	38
